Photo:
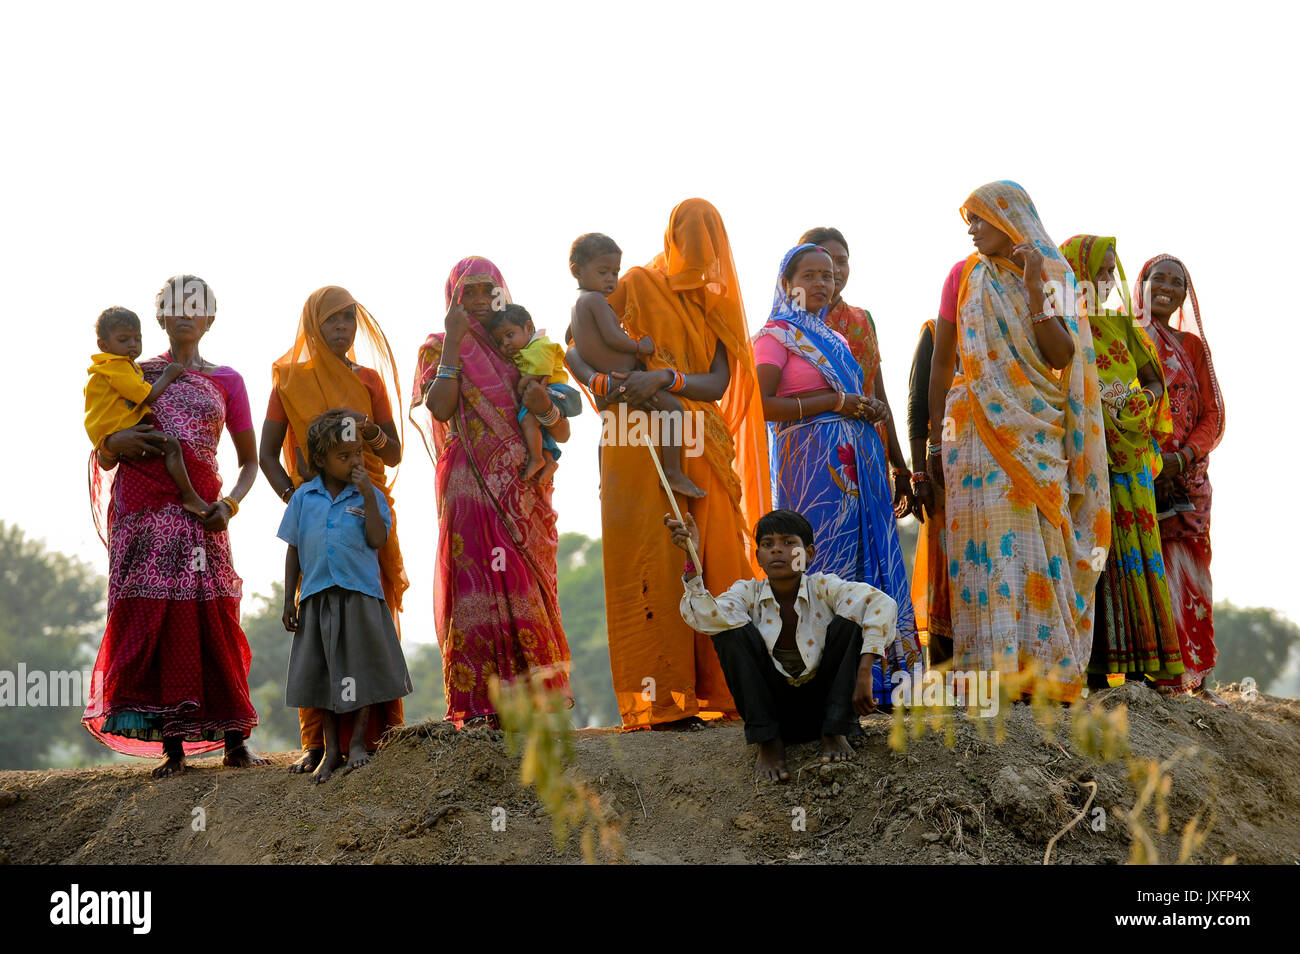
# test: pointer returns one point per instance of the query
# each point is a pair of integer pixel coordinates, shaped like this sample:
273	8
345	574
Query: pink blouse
797	374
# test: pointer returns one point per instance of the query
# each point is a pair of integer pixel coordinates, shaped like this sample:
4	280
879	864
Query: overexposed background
272	149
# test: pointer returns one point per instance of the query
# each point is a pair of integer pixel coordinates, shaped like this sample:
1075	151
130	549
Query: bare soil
432	796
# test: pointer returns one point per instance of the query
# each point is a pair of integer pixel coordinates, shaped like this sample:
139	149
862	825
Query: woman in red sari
174	660
1183	488
495	605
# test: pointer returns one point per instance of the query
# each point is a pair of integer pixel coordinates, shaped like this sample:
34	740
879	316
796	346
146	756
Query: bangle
232	504
932	449
919	477
378	442
549	418
599	384
287	493
799	405
448	371
1041	317
679	382
840	406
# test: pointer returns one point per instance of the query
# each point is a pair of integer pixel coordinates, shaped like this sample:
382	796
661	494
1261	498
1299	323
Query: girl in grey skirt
346	656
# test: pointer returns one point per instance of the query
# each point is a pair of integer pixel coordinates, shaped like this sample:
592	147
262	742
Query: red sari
1196	404
174	659
495	605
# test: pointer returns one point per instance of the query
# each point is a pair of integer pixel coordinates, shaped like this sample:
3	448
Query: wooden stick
663	479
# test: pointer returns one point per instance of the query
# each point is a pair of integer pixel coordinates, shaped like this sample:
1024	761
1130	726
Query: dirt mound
435	795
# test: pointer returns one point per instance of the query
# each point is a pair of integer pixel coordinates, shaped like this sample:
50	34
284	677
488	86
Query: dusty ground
430	796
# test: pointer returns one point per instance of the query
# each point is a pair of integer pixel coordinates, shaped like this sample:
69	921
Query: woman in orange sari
320	372
495	605
688	301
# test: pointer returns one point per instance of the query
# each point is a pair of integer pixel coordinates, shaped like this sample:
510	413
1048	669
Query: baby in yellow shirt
118	397
539	359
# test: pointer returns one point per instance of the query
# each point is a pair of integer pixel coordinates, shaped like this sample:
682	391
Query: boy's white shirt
822	597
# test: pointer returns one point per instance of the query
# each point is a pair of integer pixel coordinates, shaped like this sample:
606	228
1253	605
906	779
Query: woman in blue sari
826	457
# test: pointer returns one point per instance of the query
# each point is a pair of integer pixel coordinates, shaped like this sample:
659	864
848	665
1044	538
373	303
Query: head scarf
688	300
1132	424
472	270
1025	412
311	379
809	336
1178	321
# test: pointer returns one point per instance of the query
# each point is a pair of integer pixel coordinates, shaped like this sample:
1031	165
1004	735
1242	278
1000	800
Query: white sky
274	148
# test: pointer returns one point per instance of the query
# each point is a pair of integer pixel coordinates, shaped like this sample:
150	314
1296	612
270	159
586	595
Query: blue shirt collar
318	485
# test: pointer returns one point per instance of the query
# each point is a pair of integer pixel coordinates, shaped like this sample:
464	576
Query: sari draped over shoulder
496	609
309	380
1135	631
1198	421
174	660
688	300
832	469
1024	456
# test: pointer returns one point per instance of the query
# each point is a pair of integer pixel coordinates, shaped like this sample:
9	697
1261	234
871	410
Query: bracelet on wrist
550	418
932	449
679	382
287	493
1041	317
598	384
919	477
799	405
232	504
840	406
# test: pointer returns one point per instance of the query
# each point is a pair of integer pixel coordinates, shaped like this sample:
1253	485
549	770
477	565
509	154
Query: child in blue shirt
346	656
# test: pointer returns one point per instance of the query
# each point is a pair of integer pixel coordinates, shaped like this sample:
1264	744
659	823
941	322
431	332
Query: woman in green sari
1135	632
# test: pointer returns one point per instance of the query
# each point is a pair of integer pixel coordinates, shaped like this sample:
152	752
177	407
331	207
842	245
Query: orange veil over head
312	379
696	265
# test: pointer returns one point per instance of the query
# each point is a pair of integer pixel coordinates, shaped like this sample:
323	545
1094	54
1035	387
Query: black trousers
772	707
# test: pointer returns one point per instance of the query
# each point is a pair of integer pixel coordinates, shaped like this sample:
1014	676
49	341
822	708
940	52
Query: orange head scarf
694	277
311	379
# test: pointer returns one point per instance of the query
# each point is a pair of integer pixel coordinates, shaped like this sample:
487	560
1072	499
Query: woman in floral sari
1134	631
174	659
1196	403
320	372
494	598
827	461
1021	454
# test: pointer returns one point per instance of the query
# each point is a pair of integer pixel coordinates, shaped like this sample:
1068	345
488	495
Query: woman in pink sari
1183	488
495	605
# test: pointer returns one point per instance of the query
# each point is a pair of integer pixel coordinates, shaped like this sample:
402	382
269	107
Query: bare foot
307	764
356	758
172	765
240	757
548	471
683	485
197	506
330	763
836	748
770	765
531	467
1209	697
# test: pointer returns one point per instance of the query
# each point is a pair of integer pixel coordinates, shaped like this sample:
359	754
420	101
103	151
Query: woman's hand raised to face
457	323
1028	257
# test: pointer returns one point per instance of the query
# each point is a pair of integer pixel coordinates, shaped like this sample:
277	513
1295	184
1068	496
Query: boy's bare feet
307	764
836	748
683	485
770	765
357	754
330	763
548	471
172	765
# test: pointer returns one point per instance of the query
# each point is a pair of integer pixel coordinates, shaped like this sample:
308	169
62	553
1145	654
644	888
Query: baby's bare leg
548	469
533	440
174	459
672	438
